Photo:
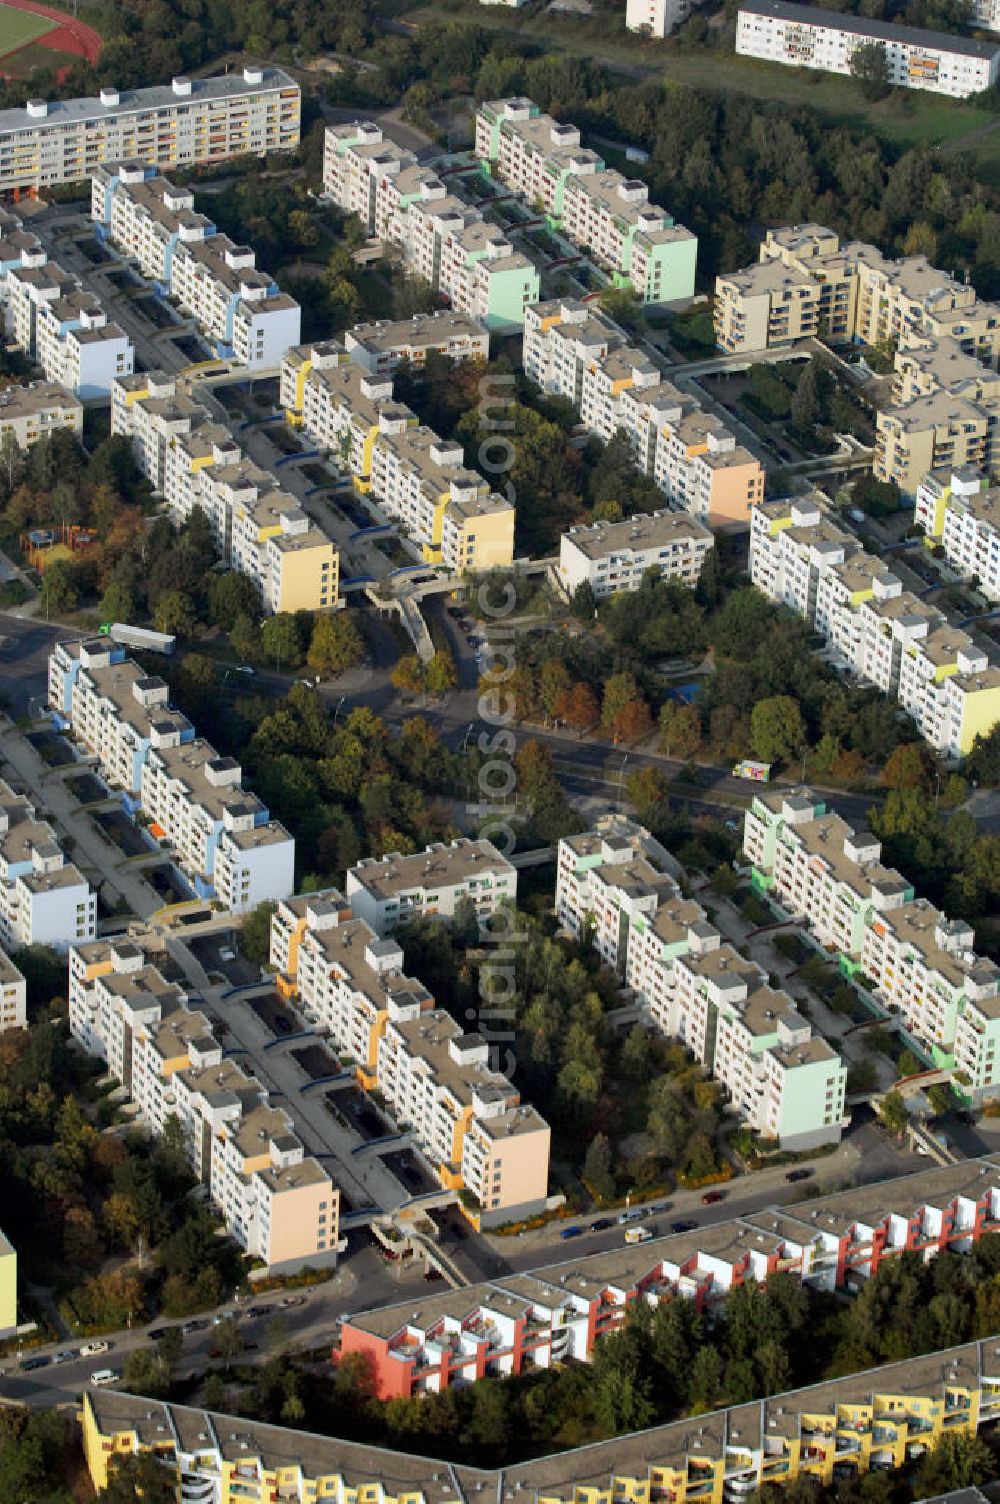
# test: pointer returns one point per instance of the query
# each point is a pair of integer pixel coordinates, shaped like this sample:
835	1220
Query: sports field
19	27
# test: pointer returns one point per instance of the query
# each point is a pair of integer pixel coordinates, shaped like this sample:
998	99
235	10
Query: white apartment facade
66	331
573	350
192	798
783	1082
183	123
30	413
880	633
277	1203
616	556
806	36
466	1116
657	18
13	996
442	239
918	962
960	511
386	891
240	310
596	208
44	900
380	347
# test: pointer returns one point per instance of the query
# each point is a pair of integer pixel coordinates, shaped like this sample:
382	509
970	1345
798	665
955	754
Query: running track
69	35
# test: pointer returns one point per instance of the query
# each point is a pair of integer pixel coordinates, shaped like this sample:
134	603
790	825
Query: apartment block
960	512
805	36
466	259
877	631
259	528
18	247
30	413
513	1325
919	963
464	1113
191	797
657	18
239	309
183	123
876	1420
13	1014
386	891
378	348
279	1205
44	900
573	350
808	282
65	330
612	887
614	556
415	477
595	207
8	1286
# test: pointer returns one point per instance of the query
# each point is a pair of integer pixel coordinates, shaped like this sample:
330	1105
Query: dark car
156	1332
602	1224
683	1226
711	1197
432	1275
198	1325
30	1364
255	1312
794	1175
571	1232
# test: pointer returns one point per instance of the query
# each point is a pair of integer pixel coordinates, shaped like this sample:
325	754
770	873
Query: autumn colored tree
578	707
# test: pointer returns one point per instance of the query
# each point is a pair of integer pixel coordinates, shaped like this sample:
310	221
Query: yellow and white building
278	1204
958	509
183	123
386	891
380	347
30	413
881	633
573	350
465	1113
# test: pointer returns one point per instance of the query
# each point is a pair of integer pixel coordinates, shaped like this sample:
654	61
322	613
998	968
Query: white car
91	1349
227	953
105	1376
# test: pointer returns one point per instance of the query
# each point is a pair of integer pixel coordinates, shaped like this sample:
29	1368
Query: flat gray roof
203	90
882	31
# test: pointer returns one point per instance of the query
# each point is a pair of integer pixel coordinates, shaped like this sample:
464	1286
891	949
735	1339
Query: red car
711	1197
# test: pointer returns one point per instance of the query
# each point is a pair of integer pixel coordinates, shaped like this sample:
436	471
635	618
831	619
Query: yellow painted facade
302	583
859	1422
8	1285
981	713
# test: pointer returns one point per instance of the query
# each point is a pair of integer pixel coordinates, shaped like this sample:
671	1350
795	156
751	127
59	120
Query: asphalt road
25	645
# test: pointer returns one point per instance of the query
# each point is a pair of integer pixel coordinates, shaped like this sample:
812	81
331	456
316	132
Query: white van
637	1234
104	1376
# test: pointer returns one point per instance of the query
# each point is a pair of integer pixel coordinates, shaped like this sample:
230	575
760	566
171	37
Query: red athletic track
69	35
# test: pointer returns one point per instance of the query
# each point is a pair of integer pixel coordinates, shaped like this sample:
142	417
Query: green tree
777	731
245	638
174	613
116	603
892	1112
584	603
146	1371
956	1461
648	791
408	674
59	593
805	405
335	646
441	674
140	1476
255	936
869	65
280	640
680	729
230	596
908	1064
597	1168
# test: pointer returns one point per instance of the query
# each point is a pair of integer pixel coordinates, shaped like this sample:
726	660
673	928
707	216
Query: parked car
91	1349
631	1215
105	1376
602	1224
432	1275
293	1300
197	1324
638	1234
794	1175
257	1311
711	1197
28	1365
684	1226
221	1316
66	1356
227	953
571	1232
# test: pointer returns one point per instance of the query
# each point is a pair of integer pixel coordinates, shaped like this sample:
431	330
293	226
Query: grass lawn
18	27
905	119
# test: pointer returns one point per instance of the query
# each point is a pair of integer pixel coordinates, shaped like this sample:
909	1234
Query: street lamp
340	703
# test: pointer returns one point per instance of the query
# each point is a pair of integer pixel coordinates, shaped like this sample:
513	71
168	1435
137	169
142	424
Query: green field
905	119
18	27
